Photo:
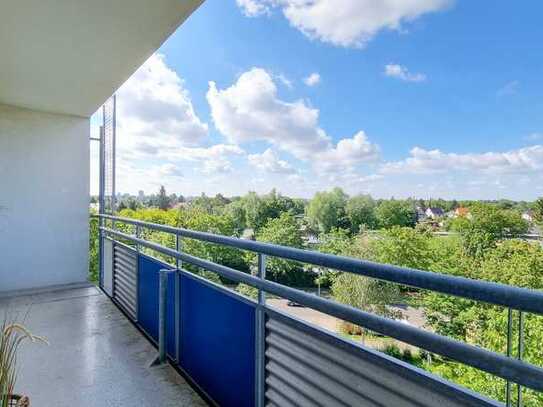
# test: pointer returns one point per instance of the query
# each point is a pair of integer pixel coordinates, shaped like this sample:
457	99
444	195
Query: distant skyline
422	98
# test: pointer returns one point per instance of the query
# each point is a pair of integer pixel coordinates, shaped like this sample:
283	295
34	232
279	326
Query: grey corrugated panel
301	358
126	306
127	266
276	399
287	391
131	282
332	372
126	292
335	380
125	277
126	253
128	275
123	260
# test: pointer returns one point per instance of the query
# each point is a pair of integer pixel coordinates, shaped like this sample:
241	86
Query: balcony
95	356
236	351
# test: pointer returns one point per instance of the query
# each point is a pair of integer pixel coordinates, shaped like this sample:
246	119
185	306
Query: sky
395	98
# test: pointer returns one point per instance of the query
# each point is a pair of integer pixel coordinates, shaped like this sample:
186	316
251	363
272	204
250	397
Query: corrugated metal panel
306	366
125	277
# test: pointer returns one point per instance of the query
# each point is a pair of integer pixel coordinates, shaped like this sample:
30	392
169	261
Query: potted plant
11	336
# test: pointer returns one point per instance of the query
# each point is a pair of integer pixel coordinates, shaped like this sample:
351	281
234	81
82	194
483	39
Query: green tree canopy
327	210
286	232
360	211
395	213
486	225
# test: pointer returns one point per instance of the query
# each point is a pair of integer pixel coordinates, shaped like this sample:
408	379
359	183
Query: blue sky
425	98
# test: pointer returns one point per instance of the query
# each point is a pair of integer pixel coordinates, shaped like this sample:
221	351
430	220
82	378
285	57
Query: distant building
141	196
528	216
462	212
421	214
434	213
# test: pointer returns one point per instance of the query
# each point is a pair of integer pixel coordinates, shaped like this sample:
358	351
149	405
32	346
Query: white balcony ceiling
69	56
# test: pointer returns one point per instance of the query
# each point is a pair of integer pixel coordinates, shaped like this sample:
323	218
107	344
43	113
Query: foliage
402	246
163	199
327	210
247	290
94	250
487	225
395	213
360	211
337	242
365	293
283	231
511	262
538	210
12	335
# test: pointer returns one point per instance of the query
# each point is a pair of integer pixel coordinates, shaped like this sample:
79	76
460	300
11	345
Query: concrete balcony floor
95	356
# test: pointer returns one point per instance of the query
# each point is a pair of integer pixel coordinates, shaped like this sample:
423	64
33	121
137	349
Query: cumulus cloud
402	73
270	162
153	104
253	8
157	121
313	79
348	23
421	161
250	110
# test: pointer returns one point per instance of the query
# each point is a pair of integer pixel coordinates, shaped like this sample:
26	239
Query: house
528	216
434	213
462	212
421	214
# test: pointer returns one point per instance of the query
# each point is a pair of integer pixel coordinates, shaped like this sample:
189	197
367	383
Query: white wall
44	199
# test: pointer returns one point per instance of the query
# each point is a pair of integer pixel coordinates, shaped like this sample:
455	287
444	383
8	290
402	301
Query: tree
513	262
254	211
401	246
283	231
360	211
538	210
395	213
163	199
337	242
487	225
327	210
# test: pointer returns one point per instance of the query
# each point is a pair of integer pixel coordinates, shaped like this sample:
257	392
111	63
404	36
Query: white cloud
313	79
348	23
253	8
250	110
153	104
348	153
270	162
157	122
285	81
421	161
170	170
402	73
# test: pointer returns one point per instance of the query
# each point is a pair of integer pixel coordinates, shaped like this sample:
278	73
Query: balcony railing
243	352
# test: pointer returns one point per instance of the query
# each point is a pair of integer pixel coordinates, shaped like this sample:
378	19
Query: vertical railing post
177	310
260	381
138	252
509	352
162	303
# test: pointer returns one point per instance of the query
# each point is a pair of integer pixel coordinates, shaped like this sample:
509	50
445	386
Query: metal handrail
508	368
521	299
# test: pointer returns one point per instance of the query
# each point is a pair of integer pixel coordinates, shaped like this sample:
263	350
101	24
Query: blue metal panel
218	342
148	280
